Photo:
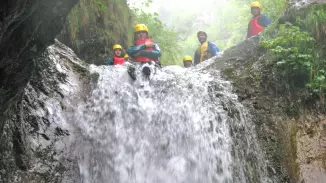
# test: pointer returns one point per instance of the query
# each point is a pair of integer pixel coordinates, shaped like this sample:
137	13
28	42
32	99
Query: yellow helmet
126	56
140	27
187	58
117	46
256	4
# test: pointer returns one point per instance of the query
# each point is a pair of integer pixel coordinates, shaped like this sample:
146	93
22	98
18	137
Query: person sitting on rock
187	61
144	49
206	50
117	59
258	22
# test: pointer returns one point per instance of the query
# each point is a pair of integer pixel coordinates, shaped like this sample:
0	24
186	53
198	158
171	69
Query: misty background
225	21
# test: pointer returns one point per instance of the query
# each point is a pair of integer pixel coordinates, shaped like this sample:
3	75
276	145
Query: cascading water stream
184	125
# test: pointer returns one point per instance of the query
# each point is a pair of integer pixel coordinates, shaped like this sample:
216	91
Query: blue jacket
212	51
264	20
110	61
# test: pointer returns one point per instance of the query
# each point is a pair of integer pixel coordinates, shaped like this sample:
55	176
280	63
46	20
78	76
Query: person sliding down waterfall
206	50
145	51
117	59
258	22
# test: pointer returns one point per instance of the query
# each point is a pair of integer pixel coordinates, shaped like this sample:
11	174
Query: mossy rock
94	26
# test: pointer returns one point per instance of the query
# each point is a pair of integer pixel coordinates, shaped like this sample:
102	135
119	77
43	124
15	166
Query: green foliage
292	47
273	8
299	59
140	3
226	22
94	26
235	16
166	38
100	5
315	22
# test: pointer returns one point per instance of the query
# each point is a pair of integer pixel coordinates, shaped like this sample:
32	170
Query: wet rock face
246	66
34	141
301	3
92	28
26	28
311	149
292	135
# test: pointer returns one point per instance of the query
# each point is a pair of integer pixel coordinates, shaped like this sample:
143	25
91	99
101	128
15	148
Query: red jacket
142	58
254	27
118	60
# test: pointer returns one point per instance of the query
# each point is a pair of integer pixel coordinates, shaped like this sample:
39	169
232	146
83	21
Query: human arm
132	50
264	20
153	54
248	31
213	48
109	62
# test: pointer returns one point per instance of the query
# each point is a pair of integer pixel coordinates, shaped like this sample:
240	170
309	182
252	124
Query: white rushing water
182	126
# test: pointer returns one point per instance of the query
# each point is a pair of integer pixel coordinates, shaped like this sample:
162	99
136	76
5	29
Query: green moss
94	26
82	72
292	110
229	73
299	67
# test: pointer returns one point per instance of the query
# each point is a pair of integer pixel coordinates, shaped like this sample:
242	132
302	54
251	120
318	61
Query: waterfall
182	125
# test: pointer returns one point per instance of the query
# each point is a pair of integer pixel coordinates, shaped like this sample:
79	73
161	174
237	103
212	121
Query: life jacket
142	58
118	60
254	27
203	51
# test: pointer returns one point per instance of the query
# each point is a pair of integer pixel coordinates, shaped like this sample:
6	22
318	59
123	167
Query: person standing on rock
187	61
144	49
258	22
206	50
117	59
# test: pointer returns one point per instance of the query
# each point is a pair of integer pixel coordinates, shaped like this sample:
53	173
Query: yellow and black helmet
140	28
256	4
117	46
187	58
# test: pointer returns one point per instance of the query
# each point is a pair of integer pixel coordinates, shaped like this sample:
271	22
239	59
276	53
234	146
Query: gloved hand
149	44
